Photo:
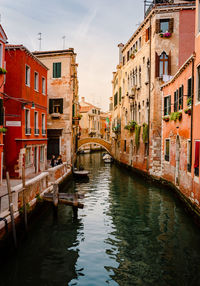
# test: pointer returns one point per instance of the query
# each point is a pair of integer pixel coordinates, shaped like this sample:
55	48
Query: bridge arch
93	140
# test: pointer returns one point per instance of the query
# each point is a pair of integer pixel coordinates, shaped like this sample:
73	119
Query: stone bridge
93	140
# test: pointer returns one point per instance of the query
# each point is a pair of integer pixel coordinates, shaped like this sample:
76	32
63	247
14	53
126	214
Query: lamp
33	105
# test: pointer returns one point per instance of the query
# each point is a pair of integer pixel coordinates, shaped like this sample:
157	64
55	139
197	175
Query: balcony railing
28	131
44	131
37	131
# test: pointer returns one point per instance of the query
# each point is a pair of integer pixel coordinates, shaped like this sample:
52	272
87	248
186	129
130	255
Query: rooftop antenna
64	37
40	40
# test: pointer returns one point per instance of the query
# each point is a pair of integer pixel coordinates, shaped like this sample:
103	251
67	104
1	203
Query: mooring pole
11	209
55	198
24	197
75	206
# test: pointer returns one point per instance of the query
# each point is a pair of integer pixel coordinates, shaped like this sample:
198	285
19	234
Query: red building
25	102
3	40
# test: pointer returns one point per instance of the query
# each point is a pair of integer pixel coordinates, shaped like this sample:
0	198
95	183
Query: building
3	40
62	118
25	102
154	53
105	121
176	128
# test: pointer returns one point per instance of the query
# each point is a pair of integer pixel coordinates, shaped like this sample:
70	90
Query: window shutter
61	105
169	111
1	112
165	105
54	70
157	26
58	70
156	65
50	106
73	110
169	63
171	25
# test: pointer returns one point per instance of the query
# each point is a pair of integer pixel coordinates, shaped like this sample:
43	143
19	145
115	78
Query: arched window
163	64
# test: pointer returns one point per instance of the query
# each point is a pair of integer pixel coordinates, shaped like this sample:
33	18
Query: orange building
3	40
176	128
25	102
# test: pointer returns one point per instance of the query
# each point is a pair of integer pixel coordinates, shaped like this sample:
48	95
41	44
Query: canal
129	233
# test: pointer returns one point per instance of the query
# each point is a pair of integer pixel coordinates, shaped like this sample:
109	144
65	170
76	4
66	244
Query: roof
23	48
2	32
53	53
87	108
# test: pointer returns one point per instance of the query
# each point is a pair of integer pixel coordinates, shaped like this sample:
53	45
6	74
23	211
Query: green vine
3	71
3	130
131	125
145	133
175	115
137	135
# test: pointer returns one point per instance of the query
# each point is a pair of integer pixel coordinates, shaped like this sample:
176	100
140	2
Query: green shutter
61	105
73	110
50	106
58	69
1	112
54	70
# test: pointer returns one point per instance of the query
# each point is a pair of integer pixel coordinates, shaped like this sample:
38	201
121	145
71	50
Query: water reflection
129	233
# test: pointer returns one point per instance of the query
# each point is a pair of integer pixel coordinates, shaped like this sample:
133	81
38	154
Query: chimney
120	46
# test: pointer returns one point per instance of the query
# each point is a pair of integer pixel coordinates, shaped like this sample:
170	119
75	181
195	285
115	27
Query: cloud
93	27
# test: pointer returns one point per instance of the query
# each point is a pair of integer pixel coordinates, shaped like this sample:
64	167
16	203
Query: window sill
27	134
28	85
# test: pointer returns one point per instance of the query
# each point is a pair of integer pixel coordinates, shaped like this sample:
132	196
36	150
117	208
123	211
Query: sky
93	28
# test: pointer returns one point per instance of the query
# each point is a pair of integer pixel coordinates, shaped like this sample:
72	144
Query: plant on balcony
189	101
137	135
176	116
165	35
145	133
131	125
78	117
3	130
188	110
166	118
132	56
3	71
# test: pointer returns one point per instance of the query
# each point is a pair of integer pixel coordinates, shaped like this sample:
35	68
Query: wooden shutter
169	111
50	106
157	26
54	70
61	105
157	72
1	112
171	25
169	63
165	105
58	69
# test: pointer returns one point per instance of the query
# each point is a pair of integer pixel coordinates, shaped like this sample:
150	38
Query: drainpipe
149	91
192	101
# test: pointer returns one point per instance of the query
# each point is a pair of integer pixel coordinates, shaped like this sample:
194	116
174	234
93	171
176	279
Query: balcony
28	131
37	131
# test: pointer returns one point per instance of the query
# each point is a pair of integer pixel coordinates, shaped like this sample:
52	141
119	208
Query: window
56	105
27	75
123	60
42	154
140	77
115	99
163	64
36	81
147	72
147	34
164	25
56	70
28	156
43	85
198	83
167	105
128	56
27	122
189	88
120	94
196	162
36	123
188	156
1	55
176	101
139	43
167	146
180	100
124	145
43	125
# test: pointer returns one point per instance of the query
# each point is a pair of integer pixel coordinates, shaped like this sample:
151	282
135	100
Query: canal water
129	233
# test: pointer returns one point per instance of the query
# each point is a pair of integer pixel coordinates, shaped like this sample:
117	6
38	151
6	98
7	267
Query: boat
107	159
80	174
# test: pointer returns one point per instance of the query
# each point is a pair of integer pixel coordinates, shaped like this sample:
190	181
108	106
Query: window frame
27	122
43	116
36	123
43	85
43	152
55	71
165	149
27	75
28	156
36	81
164	21
167	108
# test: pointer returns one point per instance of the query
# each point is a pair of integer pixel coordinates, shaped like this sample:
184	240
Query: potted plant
166	118
3	71
176	116
3	130
165	35
188	110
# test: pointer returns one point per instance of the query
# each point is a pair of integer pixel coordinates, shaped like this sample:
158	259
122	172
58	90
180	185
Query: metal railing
28	131
37	131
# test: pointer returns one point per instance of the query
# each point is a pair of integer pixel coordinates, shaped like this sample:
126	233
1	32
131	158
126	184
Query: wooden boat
107	159
80	174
